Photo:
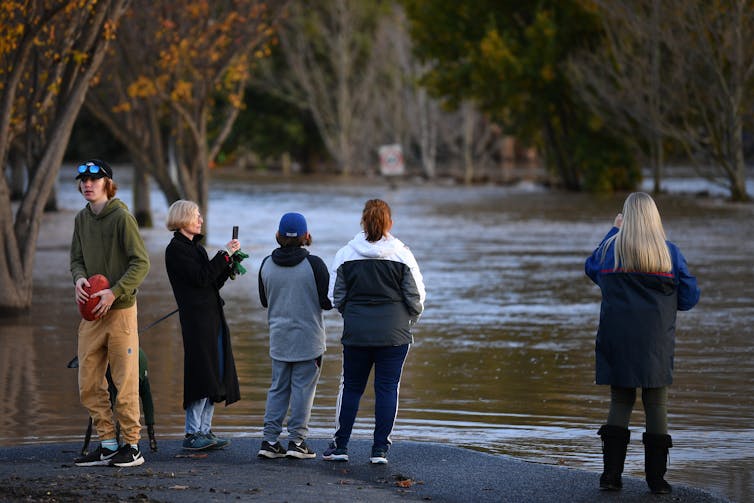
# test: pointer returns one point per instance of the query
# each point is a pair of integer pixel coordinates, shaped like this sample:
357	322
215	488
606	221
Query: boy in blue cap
293	286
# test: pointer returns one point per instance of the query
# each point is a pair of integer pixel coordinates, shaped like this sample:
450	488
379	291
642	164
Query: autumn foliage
176	80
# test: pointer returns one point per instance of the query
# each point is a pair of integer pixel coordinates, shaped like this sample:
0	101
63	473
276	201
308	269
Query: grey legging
655	402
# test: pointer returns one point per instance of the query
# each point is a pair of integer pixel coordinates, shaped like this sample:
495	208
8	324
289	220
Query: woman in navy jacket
644	281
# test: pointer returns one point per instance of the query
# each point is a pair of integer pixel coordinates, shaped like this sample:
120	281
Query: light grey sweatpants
294	385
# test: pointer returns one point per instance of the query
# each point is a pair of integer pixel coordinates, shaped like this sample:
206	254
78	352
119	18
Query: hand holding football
96	283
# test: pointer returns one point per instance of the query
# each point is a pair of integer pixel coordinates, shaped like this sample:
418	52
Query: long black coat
196	283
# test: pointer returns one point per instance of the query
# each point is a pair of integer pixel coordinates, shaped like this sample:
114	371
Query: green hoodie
109	243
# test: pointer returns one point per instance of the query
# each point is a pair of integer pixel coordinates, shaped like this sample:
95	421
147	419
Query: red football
96	283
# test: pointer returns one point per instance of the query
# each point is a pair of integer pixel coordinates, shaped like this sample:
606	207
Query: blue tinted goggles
89	168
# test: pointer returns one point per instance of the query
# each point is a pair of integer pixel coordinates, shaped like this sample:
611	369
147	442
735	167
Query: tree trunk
557	160
508	158
468	139
427	133
17	178
285	164
142	203
656	153
19	238
655	148
738	176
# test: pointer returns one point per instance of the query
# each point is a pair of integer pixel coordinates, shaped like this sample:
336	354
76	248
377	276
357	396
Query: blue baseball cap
292	225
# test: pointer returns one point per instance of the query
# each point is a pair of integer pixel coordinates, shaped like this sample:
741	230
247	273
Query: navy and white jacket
293	286
378	289
636	337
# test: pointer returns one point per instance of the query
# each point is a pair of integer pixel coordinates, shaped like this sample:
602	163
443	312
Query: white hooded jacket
378	289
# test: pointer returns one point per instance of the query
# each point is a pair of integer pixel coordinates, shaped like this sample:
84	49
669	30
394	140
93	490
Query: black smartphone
235	232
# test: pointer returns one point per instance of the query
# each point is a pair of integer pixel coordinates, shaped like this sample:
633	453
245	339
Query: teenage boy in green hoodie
106	241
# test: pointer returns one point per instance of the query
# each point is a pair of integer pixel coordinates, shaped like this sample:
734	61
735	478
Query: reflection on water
503	359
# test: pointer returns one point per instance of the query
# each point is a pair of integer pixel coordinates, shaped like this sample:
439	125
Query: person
209	370
106	241
376	285
145	393
293	287
644	281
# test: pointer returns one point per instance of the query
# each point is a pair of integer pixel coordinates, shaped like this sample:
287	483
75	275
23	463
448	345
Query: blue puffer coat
636	336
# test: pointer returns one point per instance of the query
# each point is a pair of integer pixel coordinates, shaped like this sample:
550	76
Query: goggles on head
89	168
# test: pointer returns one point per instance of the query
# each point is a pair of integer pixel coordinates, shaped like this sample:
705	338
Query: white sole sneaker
336	457
300	455
100	462
136	462
263	453
105	455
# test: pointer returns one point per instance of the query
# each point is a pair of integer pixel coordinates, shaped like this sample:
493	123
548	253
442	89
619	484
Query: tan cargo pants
113	339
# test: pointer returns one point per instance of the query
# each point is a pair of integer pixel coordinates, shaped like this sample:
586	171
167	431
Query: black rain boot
614	444
656	461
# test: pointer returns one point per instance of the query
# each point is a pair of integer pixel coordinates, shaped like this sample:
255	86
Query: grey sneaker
378	457
219	441
335	453
271	451
197	442
127	456
299	451
99	457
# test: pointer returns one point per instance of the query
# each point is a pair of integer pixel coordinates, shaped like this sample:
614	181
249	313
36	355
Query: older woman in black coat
209	372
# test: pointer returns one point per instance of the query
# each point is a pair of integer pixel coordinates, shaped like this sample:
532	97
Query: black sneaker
271	451
127	456
335	453
299	451
99	457
378	457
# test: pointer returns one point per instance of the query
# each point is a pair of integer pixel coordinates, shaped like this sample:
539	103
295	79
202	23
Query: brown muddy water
503	359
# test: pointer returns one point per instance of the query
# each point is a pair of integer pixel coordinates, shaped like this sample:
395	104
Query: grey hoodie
293	286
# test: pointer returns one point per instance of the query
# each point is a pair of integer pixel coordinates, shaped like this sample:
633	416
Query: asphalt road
416	471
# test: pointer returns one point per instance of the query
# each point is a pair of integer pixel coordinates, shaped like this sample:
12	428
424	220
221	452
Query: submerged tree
509	59
678	70
332	70
174	86
49	53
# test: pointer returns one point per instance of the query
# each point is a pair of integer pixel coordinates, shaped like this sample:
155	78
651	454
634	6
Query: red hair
376	219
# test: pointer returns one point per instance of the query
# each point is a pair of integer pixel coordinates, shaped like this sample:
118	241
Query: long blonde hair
640	243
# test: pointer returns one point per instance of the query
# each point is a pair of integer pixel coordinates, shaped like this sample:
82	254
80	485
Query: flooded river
504	355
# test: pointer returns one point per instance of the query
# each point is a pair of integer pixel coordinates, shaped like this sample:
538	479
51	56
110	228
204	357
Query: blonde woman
209	371
644	281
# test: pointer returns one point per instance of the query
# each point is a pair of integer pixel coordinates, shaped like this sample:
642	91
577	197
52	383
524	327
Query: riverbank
503	357
416	472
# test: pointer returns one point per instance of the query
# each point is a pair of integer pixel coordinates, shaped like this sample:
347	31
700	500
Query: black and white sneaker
271	451
335	453
127	456
378	457
98	457
299	451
